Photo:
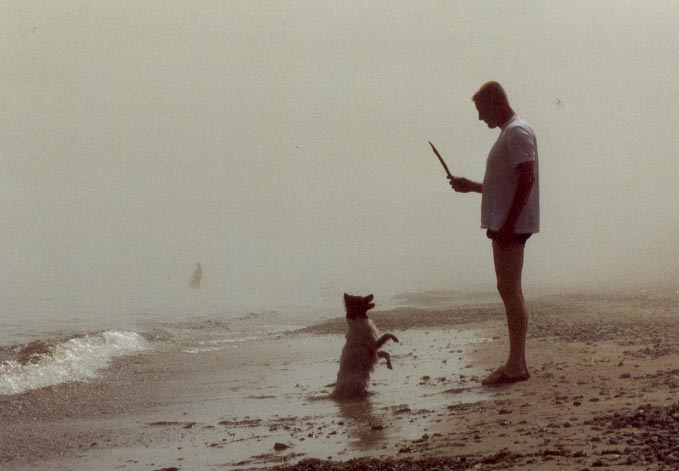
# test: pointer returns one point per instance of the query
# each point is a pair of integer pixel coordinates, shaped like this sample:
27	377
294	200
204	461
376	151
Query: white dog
361	350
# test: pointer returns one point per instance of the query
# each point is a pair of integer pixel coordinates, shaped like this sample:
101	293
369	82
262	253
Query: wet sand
603	393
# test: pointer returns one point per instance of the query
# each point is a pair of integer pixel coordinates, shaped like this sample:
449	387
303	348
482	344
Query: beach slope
603	393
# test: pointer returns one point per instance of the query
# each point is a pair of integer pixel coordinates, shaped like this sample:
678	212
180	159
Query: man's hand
463	185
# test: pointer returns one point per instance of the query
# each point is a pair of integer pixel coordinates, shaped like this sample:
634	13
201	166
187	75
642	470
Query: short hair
491	92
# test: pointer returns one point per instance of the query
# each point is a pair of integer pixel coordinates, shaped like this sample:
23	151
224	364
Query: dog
361	350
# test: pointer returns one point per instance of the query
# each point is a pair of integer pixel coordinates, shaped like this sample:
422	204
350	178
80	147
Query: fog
284	145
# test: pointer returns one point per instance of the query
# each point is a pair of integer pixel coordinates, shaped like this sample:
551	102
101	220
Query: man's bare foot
499	377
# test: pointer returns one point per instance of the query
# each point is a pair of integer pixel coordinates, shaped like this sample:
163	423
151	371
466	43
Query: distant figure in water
194	282
509	213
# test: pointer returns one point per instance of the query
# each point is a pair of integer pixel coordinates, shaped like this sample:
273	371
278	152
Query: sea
51	339
48	340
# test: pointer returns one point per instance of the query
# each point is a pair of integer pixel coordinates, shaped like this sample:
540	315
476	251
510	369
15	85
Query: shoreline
590	357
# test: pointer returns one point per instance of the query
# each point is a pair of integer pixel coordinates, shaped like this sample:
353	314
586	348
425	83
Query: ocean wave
198	324
226	323
48	362
217	345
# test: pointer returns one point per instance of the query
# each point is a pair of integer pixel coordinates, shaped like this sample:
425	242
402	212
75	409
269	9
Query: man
194	281
509	213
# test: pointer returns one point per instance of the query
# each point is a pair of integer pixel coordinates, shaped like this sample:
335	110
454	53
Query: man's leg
508	260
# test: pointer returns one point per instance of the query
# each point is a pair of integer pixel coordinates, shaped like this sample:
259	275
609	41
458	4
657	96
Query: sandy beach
189	188
603	394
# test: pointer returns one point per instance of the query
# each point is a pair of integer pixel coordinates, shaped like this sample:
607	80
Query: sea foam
76	359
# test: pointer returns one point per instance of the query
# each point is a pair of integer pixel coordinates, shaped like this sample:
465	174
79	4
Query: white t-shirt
515	144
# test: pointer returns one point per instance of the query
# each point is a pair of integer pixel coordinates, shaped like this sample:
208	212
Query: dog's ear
369	298
346	297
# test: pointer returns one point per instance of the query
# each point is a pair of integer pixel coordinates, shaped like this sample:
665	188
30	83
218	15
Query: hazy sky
284	143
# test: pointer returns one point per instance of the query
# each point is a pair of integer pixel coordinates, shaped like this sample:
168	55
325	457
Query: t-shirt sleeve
521	145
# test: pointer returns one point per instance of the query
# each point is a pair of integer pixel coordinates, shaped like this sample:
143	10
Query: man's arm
464	185
526	174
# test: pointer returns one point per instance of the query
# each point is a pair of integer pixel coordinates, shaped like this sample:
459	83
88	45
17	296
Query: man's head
492	104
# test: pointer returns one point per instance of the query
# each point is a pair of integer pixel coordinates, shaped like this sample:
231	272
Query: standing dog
361	350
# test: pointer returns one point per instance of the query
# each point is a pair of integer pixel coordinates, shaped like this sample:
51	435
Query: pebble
280	446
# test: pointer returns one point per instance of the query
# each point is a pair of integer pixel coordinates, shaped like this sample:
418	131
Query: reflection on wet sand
366	430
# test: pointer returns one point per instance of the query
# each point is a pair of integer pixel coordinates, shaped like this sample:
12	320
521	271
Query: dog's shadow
365	428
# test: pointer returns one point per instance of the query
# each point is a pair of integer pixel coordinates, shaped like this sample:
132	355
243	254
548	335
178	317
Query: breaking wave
48	362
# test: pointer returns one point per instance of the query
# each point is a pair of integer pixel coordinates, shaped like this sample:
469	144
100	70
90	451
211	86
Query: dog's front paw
393	337
389	365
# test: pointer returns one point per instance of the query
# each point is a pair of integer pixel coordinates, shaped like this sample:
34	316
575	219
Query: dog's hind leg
386	356
382	340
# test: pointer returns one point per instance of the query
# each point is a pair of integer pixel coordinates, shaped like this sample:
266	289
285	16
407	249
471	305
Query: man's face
487	113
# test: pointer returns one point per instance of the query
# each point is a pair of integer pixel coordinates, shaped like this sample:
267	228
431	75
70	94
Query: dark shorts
518	238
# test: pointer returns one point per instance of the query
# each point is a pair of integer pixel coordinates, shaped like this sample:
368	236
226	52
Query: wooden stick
445	167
